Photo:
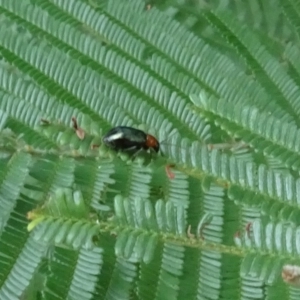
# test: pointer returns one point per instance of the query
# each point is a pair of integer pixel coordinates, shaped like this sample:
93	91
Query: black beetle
130	139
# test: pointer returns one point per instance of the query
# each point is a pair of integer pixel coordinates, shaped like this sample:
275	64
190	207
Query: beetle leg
135	154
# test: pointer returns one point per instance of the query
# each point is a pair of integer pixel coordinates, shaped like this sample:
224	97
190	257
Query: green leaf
214	215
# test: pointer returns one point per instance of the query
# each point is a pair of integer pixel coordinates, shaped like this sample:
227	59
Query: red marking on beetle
151	142
169	172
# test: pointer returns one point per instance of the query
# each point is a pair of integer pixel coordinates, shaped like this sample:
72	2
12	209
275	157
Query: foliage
215	215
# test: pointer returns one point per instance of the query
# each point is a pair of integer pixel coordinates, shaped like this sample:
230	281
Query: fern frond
89	93
23	270
122	280
60	174
170	272
292	10
252	287
174	189
210	272
73	274
12	178
260	130
265	16
106	226
140	215
3	119
107	243
202	61
139	179
20	254
268	239
67	139
93	180
265	67
294	293
213	203
19	85
238	176
63	220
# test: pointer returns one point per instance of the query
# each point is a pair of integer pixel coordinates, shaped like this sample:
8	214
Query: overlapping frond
63	220
292	10
268	239
23	270
158	226
20	254
73	275
67	64
13	173
262	131
266	68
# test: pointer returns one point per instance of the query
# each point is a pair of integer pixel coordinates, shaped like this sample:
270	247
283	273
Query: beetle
130	139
